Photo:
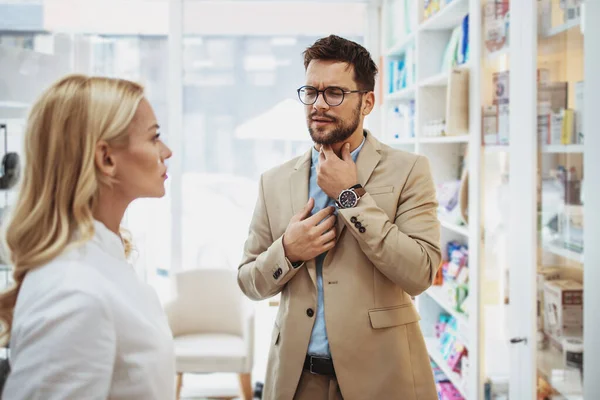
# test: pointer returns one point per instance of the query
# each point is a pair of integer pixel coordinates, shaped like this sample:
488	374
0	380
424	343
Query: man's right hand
305	237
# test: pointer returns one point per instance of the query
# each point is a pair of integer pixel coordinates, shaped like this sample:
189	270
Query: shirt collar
354	153
108	241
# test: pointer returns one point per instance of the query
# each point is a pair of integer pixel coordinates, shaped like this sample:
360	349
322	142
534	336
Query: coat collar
108	241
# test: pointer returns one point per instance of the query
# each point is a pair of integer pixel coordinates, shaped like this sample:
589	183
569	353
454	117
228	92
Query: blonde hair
60	181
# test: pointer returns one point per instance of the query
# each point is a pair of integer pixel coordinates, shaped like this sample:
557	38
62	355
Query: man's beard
340	132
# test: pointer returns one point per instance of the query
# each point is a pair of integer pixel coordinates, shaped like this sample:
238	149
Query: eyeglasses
334	96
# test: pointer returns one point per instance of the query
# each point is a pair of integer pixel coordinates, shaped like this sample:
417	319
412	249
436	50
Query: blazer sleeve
64	348
264	269
407	250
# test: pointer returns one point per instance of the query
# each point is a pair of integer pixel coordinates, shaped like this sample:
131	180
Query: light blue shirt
319	344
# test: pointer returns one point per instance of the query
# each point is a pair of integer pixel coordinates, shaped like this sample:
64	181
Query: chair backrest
208	301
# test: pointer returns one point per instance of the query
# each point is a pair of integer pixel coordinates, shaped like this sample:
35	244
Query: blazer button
358	225
353	220
362	229
310	312
279	271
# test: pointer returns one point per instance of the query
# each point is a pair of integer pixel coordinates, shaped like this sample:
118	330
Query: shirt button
310	312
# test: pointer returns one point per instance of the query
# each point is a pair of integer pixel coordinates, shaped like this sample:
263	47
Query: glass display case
560	199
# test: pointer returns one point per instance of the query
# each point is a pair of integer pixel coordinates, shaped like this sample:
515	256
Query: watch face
348	199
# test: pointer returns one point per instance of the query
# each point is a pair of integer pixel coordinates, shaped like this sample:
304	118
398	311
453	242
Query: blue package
464	46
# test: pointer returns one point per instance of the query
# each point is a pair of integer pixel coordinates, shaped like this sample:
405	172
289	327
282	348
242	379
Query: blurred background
498	94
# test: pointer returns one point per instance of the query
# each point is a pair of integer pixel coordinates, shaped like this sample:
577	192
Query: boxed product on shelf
563	310
457	103
438	374
434	128
401	72
447	391
457	49
496	24
490	124
400	122
544	275
501	100
464	50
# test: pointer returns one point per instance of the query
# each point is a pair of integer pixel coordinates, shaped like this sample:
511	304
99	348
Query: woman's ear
105	160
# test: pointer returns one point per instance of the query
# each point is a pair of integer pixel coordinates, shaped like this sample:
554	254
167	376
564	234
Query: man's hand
335	174
305	237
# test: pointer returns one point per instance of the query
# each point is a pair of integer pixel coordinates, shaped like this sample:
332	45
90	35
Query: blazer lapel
299	195
367	160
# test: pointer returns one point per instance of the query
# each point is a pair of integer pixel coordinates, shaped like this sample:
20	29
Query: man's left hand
335	174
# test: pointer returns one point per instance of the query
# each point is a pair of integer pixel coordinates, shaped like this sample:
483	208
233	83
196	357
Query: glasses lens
334	96
307	95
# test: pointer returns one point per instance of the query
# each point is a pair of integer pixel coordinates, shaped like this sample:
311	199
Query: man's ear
368	104
104	159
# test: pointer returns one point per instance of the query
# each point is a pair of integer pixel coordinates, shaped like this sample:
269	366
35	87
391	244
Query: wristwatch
348	198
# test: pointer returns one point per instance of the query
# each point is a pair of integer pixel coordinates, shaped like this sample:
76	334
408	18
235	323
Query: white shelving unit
495	266
400	46
446	153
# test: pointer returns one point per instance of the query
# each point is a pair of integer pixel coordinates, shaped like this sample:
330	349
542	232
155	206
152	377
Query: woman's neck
110	211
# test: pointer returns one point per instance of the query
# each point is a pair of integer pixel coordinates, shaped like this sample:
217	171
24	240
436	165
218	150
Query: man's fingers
328	246
327	224
346	156
327	151
322	156
328	236
320	216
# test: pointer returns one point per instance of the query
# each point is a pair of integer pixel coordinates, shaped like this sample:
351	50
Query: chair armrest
171	311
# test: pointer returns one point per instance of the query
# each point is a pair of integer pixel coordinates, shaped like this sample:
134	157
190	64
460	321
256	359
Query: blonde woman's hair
60	181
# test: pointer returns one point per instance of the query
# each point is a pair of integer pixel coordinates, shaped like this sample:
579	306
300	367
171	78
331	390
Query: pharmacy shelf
558	250
400	47
445	139
401	95
557	30
460	229
551	365
435	354
437	293
562	148
448	17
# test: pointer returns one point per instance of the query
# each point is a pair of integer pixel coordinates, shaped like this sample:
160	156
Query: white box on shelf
503	123
563	310
544	275
457	103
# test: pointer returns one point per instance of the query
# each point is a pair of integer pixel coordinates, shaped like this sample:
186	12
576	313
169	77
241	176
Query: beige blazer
374	336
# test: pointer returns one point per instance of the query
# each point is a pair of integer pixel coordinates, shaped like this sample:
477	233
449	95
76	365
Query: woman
84	326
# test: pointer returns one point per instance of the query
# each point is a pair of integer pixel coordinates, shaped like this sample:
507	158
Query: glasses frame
344	93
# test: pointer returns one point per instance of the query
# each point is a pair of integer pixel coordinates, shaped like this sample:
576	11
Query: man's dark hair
335	48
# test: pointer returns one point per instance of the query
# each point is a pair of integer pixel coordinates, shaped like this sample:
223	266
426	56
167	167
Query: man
347	234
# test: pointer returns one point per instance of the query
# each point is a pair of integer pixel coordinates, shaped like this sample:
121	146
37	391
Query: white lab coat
85	327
